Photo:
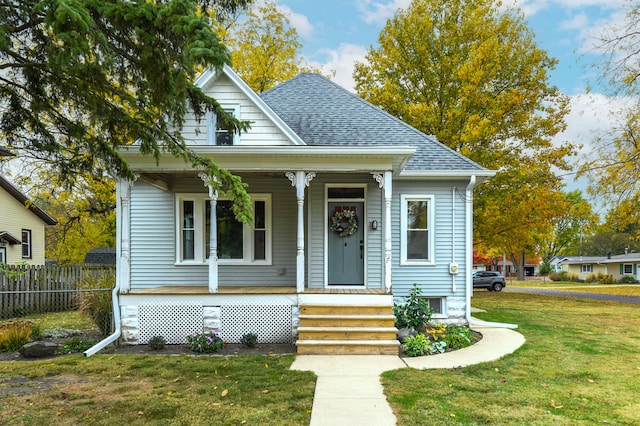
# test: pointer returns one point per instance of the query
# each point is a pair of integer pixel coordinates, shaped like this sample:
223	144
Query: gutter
469	259
116	318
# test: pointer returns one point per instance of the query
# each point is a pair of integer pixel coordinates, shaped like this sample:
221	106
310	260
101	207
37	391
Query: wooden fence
38	289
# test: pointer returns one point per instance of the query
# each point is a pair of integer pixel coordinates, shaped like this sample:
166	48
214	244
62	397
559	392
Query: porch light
374	224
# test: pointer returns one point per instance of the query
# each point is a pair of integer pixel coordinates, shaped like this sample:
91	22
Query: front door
346	243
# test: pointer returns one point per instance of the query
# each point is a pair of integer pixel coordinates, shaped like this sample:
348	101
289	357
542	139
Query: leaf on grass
554	405
265	391
225	392
141	413
591	381
266	365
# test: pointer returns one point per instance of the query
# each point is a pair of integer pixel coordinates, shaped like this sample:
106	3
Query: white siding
262	131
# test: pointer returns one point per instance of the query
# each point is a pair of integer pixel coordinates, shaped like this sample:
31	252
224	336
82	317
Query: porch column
385	182
209	182
300	180
123	232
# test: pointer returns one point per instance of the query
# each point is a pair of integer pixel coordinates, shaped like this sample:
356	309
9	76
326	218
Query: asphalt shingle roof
323	113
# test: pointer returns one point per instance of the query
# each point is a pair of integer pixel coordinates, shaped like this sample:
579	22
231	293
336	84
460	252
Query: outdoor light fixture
374	224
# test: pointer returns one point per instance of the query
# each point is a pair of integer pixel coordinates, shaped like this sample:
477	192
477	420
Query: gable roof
325	114
211	75
24	200
9	238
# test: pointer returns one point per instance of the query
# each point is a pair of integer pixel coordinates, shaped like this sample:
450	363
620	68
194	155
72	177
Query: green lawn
618	289
579	366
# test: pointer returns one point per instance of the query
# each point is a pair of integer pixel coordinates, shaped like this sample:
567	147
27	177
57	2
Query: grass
580	365
75	320
162	390
617	289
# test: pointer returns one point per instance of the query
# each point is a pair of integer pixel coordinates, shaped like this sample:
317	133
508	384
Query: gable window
238	243
216	133
416	230
26	243
586	268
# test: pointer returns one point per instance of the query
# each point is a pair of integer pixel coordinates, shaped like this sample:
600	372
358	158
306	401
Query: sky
336	33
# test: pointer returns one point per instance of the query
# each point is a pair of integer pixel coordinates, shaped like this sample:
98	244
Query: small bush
60	333
627	279
555	277
14	335
417	345
97	304
75	345
205	342
249	340
415	313
606	279
457	337
157	343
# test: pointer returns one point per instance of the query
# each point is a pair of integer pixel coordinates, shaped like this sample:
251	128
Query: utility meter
453	268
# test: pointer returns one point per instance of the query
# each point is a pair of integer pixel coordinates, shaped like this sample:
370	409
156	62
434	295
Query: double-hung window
217	134
238	243
586	268
26	243
416	228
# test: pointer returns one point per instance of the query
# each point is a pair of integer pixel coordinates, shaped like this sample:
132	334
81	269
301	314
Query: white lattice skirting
271	323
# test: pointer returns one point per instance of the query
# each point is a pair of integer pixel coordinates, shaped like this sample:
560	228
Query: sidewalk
348	389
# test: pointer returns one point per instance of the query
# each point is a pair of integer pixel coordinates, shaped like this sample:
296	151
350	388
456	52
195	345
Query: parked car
491	280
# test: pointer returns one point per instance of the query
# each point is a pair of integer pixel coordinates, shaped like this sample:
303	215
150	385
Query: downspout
453	237
469	261
123	215
116	319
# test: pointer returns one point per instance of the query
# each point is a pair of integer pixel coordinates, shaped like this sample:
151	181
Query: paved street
579	294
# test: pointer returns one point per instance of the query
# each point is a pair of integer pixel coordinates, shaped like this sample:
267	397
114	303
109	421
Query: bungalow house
351	208
22	225
618	266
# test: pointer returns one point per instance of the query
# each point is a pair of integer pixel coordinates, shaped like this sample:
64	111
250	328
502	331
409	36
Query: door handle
361	249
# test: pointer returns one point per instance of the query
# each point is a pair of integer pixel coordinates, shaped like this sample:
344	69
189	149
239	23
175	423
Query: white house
351	208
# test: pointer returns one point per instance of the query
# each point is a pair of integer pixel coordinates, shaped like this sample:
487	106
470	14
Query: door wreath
344	223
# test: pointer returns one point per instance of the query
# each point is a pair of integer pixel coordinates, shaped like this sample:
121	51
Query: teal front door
345	243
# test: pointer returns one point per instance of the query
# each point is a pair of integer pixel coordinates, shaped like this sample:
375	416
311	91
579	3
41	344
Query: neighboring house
101	256
618	266
583	266
351	208
22	226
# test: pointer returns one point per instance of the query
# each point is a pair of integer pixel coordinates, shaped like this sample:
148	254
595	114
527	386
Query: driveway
579	294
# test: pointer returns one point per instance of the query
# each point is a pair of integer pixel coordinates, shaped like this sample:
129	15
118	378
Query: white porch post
300	180
123	233
385	182
213	232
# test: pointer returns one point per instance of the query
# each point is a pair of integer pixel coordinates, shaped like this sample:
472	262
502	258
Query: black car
491	280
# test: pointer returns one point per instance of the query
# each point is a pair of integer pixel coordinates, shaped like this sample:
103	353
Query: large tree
265	48
471	74
81	78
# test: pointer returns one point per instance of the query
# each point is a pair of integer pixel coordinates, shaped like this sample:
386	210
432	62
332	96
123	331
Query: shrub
457	337
97	304
417	345
75	345
249	340
14	335
157	343
205	342
415	313
627	279
606	279
555	277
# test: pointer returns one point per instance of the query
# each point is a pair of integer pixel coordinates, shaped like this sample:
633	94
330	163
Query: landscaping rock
403	333
39	349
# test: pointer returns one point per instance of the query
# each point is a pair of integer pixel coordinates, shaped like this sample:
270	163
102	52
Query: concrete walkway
348	389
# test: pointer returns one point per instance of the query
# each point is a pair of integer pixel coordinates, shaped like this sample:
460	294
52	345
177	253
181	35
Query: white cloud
298	21
577	22
342	61
376	12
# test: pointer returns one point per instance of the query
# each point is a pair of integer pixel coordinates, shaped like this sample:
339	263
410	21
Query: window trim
404	201
200	239
585	266
624	269
28	244
212	128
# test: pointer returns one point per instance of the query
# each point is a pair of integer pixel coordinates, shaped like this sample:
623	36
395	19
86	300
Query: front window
217	133
237	242
26	243
416	224
628	269
587	268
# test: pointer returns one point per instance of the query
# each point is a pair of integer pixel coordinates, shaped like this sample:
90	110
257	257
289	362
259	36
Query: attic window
216	134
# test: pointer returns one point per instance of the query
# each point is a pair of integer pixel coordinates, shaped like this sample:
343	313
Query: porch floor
175	289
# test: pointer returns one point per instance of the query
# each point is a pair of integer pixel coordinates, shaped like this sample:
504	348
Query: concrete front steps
343	325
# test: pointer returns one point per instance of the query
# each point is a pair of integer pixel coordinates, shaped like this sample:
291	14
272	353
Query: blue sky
335	33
